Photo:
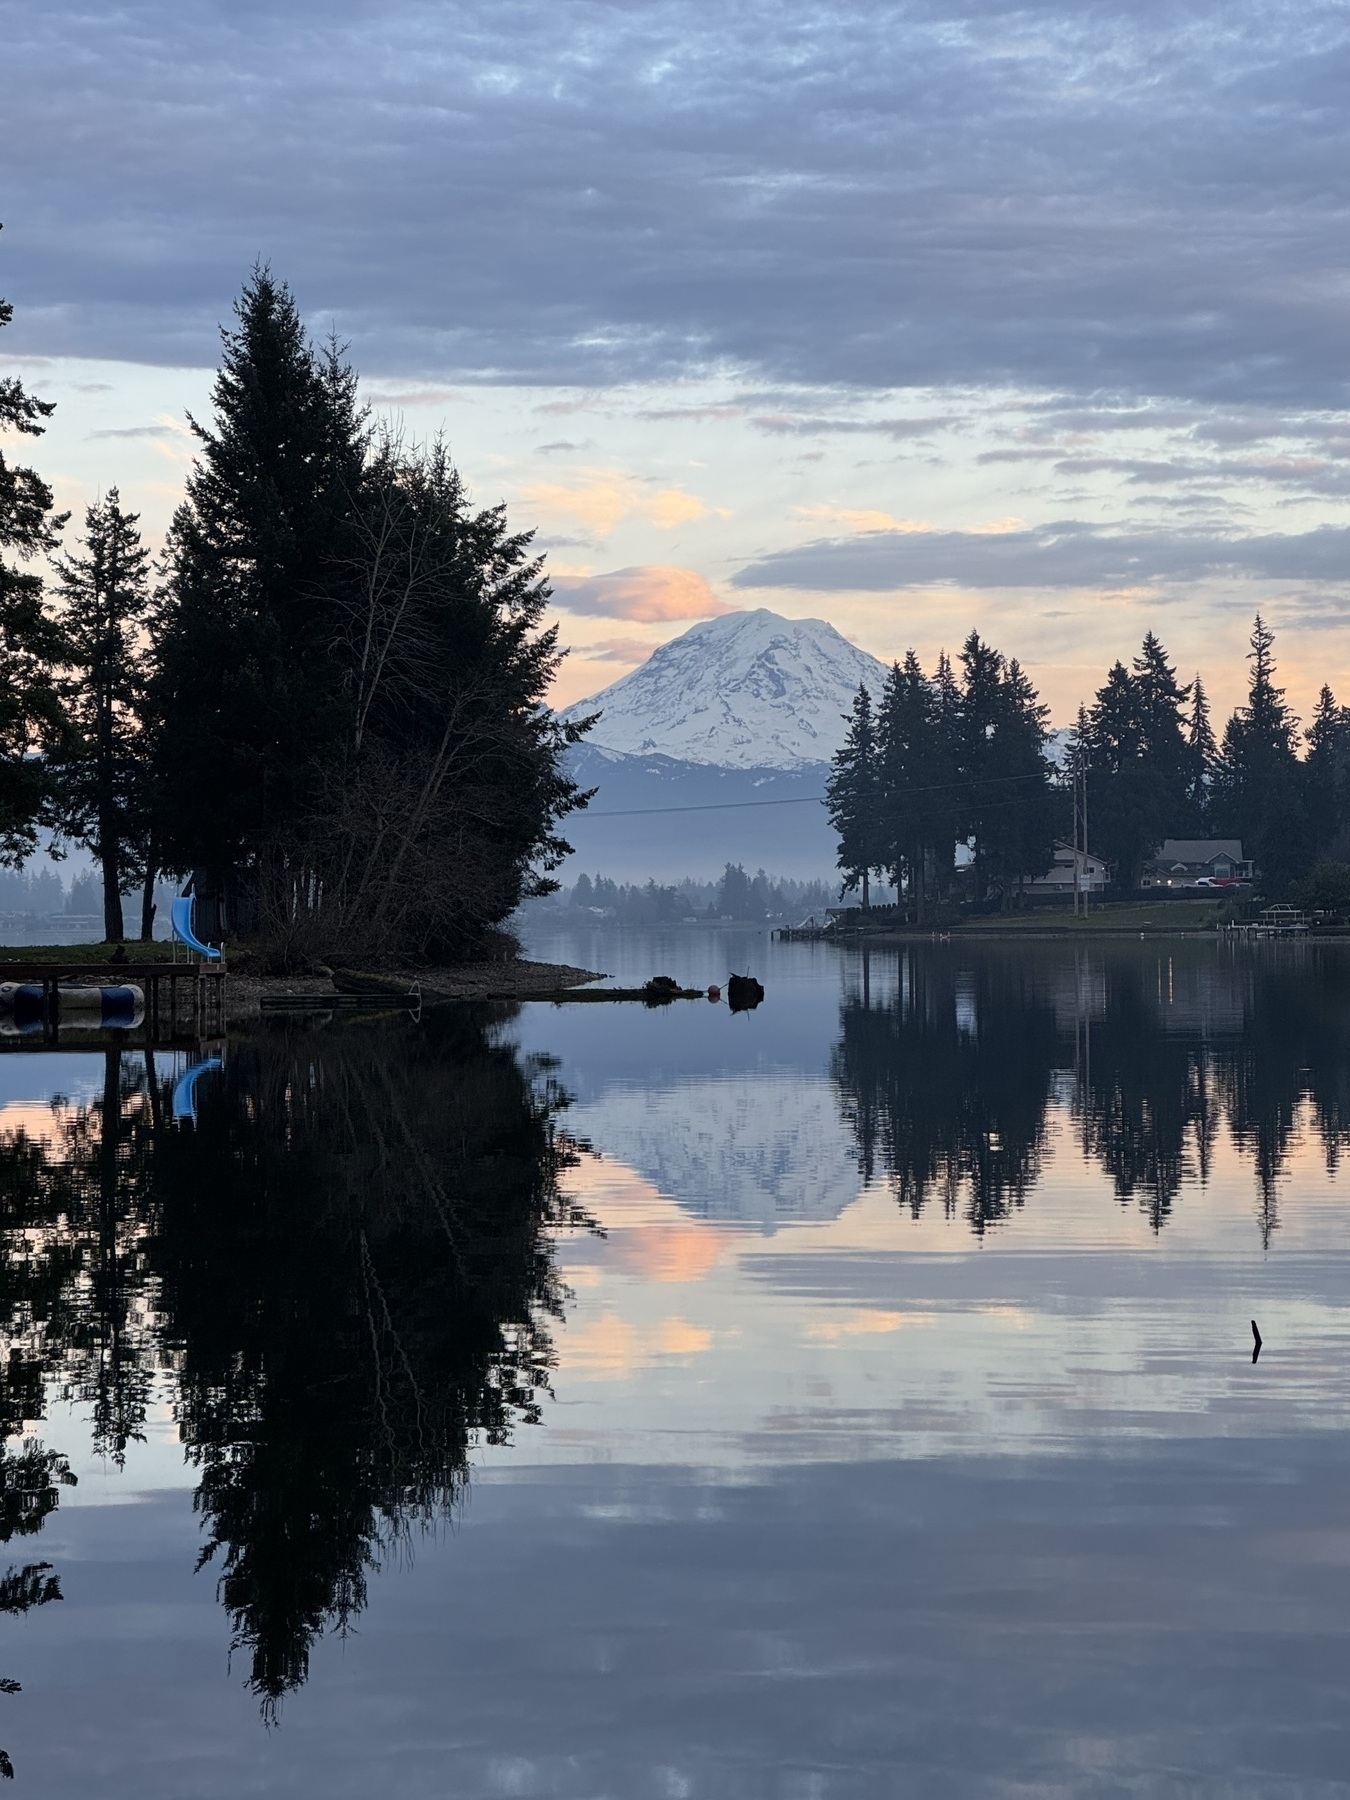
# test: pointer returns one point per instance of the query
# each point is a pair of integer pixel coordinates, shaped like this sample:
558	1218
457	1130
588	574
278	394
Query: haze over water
850	1398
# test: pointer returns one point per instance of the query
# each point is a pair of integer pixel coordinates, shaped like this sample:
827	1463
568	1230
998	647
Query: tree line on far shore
737	895
325	704
958	756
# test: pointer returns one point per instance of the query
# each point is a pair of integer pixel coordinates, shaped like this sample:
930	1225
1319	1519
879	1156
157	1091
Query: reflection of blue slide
182	928
185	1088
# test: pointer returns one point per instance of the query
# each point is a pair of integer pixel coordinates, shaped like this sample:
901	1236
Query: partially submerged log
660	991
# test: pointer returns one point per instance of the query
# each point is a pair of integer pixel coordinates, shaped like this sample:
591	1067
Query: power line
937	787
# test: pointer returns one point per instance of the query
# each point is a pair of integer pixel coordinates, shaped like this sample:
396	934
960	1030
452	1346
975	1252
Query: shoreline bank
244	992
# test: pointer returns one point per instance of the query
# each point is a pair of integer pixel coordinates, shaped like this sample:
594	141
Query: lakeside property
1170	917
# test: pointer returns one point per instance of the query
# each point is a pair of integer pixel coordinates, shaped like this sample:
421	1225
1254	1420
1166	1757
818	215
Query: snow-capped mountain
1058	745
749	690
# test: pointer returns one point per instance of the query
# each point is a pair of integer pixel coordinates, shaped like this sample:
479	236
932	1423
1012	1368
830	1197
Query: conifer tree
1162	721
979	756
1257	790
1033	817
907	775
1140	764
349	705
1327	774
1007	803
1202	754
945	802
852	798
32	720
248	688
1128	797
100	772
733	897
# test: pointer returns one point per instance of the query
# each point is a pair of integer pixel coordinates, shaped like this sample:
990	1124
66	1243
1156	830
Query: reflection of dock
184	1001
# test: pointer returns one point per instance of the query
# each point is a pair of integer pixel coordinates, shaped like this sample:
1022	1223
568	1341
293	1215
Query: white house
1093	873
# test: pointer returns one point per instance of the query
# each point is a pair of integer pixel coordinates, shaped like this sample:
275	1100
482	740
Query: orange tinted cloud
862	519
604	498
648	594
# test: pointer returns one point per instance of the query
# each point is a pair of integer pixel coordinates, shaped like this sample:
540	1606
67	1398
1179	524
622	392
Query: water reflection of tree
1143	1097
343	1272
946	1083
948	1078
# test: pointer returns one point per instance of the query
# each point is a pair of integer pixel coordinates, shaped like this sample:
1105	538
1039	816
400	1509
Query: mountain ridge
746	690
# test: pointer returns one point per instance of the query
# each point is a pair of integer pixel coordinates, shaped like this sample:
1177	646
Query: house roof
1198	850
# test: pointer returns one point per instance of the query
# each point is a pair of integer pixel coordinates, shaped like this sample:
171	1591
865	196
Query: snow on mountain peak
746	690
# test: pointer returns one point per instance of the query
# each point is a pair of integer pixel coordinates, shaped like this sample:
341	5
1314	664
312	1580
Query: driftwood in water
658	992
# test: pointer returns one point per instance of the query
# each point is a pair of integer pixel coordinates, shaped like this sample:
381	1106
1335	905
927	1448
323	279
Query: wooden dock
167	986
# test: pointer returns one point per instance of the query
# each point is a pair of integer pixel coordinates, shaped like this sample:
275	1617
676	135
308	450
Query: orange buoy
714	992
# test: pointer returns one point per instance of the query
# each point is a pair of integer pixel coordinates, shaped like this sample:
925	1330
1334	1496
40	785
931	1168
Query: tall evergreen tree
350	712
32	720
946	803
852	798
1257	790
909	776
1007	801
982	786
248	694
1326	776
100	774
1202	755
1033	817
1162	720
1140	762
1127	795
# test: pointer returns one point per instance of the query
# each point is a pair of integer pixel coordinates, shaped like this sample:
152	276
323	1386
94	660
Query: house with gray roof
1196	862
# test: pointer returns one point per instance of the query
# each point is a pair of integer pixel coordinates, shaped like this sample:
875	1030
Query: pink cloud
647	595
619	650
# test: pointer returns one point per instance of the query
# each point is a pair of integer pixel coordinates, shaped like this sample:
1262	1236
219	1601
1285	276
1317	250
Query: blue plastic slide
185	1089
182	928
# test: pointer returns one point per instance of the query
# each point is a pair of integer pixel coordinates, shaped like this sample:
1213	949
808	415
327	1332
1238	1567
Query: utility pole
1081	885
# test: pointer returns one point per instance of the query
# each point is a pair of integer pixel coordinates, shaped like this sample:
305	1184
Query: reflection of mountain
765	1149
947	1081
344	1270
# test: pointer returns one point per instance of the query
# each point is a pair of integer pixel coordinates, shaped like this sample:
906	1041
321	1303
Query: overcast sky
911	317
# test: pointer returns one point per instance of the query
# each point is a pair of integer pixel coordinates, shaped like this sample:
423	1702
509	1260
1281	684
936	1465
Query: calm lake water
850	1398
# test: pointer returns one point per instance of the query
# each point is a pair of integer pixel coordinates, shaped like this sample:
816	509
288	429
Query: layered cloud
1066	554
1099	200
600	500
648	595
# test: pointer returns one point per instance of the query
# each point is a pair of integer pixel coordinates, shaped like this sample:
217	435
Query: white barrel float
112	1007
